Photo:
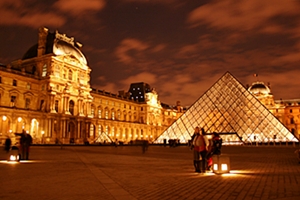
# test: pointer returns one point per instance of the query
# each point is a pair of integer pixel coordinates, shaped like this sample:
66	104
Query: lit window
44	73
113	115
57	71
93	111
92	130
99	113
106	114
28	86
112	131
99	129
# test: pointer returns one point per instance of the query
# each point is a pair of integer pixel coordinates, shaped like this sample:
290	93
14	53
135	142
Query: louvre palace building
48	94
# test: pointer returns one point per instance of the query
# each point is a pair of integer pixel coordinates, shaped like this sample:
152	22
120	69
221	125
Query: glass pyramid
230	109
103	137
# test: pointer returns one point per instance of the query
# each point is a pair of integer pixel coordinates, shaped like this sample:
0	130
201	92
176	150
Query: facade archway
92	132
20	125
71	107
5	125
71	130
34	129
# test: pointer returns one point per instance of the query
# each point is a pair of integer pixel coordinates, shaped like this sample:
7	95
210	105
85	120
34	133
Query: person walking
25	143
195	149
7	144
144	146
216	144
202	142
200	149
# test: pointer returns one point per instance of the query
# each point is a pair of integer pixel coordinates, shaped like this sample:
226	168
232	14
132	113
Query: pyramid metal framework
231	110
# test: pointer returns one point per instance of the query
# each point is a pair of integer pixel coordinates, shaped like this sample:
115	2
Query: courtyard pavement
126	173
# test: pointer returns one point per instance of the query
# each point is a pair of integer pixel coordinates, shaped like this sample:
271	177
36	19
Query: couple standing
199	144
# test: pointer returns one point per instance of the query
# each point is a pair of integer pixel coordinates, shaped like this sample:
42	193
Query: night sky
179	47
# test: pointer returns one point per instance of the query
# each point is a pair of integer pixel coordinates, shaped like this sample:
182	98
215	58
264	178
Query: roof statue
231	110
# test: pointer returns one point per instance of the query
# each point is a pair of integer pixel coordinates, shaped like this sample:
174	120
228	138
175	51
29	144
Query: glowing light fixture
19	119
14	154
4	118
221	164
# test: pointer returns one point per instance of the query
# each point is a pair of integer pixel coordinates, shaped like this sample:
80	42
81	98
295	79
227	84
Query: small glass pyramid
230	109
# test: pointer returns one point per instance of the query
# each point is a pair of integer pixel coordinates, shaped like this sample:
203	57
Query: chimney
43	32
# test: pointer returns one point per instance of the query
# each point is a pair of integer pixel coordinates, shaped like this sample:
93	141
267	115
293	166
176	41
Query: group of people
204	148
25	142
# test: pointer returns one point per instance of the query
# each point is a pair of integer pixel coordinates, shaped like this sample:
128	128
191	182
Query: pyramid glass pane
229	109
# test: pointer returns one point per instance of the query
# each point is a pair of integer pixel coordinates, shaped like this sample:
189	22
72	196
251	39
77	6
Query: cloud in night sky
179	47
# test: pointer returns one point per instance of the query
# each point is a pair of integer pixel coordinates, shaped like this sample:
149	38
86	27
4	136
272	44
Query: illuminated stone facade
286	111
48	94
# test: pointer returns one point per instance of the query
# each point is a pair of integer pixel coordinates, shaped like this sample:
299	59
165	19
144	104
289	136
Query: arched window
56	106
106	114
27	103
112	132
93	110
92	133
70	75
99	113
124	116
71	107
106	130
113	115
292	120
99	129
119	115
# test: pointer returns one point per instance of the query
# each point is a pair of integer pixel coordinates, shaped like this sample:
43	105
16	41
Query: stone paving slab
107	172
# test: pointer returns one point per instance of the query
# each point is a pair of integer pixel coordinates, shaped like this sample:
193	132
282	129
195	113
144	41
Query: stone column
79	130
63	128
52	104
87	129
66	105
